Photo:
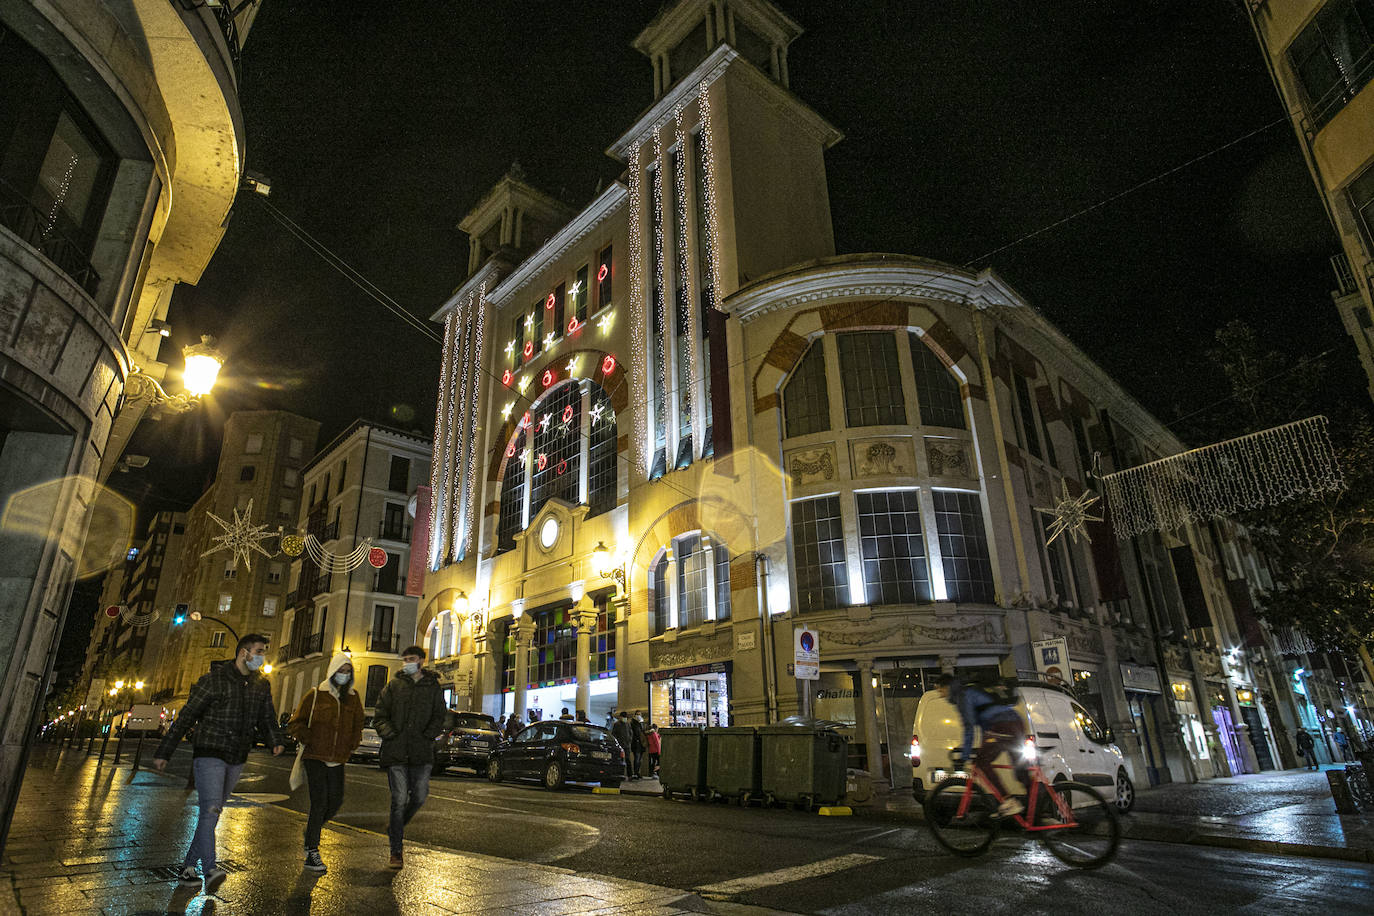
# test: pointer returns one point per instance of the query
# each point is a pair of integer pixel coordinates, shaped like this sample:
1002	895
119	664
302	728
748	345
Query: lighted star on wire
597	410
548	341
242	537
1070	515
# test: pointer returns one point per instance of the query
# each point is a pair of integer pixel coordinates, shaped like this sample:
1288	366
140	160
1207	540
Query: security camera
259	183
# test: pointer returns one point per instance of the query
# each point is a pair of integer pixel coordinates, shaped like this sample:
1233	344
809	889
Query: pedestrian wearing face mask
410	714
329	725
227	707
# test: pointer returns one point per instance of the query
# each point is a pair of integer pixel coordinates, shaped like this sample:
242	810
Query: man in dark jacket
621	732
227	707
409	715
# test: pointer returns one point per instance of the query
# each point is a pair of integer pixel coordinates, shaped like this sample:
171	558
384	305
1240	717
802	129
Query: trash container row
801	764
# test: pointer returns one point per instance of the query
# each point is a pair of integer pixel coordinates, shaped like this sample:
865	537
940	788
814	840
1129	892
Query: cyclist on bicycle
1003	730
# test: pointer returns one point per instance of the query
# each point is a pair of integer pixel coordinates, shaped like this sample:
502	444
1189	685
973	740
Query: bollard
138	755
104	742
119	746
1340	792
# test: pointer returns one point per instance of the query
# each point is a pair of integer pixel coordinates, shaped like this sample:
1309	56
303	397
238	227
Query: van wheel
1125	793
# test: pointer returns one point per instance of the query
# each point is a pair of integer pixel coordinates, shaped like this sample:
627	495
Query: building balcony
388	584
383	642
393	531
283	654
28	221
314	644
1346	284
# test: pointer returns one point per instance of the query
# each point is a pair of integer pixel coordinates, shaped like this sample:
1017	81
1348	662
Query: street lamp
605	565
203	362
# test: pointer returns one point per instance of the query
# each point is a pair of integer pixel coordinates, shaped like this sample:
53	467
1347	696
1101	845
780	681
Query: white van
1068	743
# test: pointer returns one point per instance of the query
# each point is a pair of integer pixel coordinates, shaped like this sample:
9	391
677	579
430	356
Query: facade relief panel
887	457
949	458
812	465
972	630
691	650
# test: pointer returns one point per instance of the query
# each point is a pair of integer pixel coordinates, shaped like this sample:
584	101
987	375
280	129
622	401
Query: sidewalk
1287	812
85	840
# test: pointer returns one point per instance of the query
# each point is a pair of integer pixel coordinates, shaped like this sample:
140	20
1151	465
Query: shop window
805	398
937	390
893	548
872	379
822	572
963	547
553	651
377	676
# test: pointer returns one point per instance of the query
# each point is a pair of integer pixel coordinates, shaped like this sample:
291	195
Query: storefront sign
807	654
713	668
1140	678
1052	658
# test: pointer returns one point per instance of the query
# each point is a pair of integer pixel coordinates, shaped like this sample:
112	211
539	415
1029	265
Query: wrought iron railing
1345	275
382	642
26	220
393	531
314	643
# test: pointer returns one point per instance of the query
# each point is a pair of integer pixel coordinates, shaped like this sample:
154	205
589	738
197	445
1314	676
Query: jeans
1002	735
326	785
409	789
215	781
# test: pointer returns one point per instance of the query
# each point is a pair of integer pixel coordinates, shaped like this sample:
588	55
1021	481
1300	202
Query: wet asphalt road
841	865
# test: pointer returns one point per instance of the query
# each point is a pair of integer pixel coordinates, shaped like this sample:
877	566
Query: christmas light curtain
1255	471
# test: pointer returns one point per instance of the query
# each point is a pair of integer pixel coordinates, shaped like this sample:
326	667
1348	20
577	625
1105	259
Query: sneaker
1010	807
188	875
214	878
396	861
313	862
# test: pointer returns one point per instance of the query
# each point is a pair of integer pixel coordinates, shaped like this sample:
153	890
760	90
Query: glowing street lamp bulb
138	685
203	363
119	685
267	668
462	604
113	691
601	558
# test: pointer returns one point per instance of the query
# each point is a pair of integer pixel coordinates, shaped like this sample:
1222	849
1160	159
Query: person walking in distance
637	744
410	714
654	741
565	716
1342	745
622	733
1307	750
227	707
329	723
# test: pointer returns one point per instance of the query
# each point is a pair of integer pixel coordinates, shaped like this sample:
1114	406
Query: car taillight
915	750
1028	752
571	748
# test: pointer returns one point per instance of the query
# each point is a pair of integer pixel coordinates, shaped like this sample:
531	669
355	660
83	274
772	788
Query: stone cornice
593	215
661	111
487	273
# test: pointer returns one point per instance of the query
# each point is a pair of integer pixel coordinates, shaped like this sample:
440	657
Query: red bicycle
1073	820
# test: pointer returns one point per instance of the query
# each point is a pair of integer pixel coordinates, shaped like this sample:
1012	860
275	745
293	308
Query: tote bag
298	770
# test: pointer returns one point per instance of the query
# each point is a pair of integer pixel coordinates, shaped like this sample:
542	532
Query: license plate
481	744
601	755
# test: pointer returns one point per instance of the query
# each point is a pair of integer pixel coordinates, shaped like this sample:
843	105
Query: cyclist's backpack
1000	691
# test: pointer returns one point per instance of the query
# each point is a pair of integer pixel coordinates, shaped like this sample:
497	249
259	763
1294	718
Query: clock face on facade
548	533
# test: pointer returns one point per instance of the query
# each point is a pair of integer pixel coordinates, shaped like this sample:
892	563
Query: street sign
1052	659
807	654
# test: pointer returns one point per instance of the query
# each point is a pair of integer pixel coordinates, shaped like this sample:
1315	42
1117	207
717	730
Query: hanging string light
436	467
688	282
661	305
712	214
638	337
470	472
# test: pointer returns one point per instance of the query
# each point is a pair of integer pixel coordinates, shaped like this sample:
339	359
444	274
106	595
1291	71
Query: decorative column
584	615
872	744
523	630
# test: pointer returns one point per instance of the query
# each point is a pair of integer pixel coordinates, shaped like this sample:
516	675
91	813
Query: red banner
419	544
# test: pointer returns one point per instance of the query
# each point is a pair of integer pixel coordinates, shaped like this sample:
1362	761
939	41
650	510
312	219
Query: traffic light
179	614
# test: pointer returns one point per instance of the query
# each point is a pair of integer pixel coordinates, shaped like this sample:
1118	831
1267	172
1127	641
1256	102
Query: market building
681	427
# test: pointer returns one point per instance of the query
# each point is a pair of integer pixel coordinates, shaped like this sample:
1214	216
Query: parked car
559	752
1064	738
370	750
468	743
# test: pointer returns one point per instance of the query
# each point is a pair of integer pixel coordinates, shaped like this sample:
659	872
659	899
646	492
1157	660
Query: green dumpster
733	768
803	764
682	762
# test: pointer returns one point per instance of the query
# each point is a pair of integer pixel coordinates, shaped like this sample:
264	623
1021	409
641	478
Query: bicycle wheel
969	834
1082	831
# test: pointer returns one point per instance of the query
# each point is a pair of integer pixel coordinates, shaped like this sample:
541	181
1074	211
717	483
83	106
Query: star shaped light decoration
548	341
1070	515
241	537
597	410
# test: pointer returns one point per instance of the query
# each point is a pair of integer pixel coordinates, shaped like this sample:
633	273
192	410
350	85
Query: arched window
872	379
691	585
806	406
568	453
936	387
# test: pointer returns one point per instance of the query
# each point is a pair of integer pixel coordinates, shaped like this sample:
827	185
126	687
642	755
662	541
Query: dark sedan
558	752
468	743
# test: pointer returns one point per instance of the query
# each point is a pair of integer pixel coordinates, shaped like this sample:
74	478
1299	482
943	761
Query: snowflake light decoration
241	537
1070	515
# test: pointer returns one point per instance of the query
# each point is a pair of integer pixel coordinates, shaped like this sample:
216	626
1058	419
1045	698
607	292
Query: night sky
968	126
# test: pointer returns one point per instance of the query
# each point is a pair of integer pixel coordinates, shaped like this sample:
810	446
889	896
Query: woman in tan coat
329	724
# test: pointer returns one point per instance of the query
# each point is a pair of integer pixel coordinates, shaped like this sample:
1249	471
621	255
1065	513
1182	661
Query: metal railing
1322	110
393	531
19	215
382	642
389	585
314	643
284	653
